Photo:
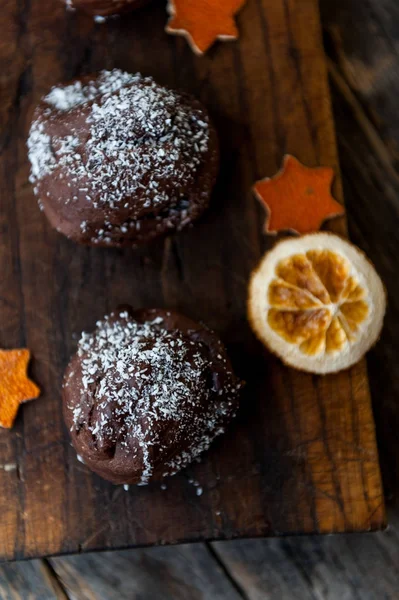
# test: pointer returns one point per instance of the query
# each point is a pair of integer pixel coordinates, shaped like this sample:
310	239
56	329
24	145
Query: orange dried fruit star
15	386
298	198
202	22
317	302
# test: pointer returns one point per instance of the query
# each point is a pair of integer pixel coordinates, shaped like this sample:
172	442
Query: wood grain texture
352	567
171	574
362	40
301	456
27	581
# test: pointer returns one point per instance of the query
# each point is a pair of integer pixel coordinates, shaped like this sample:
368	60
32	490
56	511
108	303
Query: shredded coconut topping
120	136
139	389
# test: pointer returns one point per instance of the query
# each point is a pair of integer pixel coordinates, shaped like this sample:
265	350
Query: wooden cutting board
301	457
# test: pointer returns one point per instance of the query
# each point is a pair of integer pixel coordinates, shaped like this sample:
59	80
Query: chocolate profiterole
105	8
146	393
118	160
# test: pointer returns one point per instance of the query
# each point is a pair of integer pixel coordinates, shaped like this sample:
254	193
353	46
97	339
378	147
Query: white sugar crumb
80	459
139	385
126	487
126	137
164	486
199	490
8	467
41	158
66	98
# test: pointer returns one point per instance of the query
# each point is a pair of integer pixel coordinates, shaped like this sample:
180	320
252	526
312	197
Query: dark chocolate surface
105	8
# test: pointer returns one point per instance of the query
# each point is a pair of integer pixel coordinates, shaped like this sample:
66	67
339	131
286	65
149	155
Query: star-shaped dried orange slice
298	198
317	302
15	386
202	22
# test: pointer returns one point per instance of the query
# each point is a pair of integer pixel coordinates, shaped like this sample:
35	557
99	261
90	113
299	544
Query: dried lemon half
317	302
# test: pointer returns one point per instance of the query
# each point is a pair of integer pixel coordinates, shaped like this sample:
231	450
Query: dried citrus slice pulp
317	302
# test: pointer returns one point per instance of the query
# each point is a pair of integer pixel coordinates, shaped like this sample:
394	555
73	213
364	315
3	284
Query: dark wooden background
361	39
301	456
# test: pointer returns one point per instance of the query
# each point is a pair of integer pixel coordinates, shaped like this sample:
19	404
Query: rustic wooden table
361	39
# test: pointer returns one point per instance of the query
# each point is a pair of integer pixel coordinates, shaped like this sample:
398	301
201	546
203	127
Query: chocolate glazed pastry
146	393
105	8
118	160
